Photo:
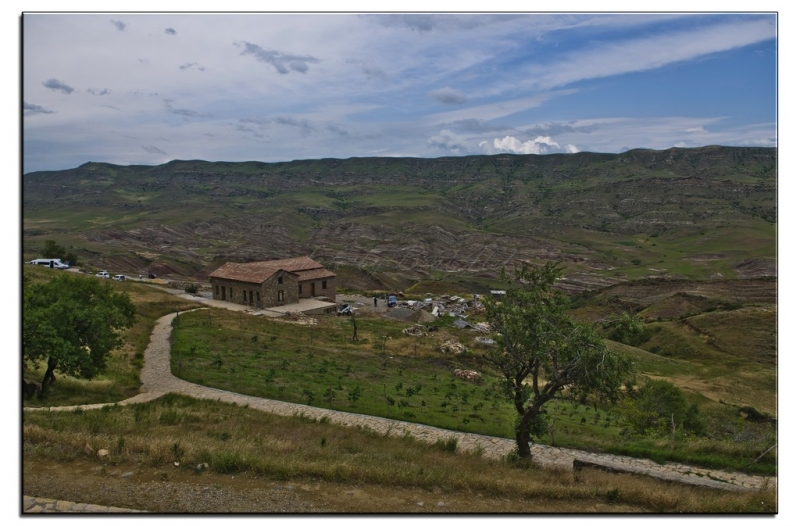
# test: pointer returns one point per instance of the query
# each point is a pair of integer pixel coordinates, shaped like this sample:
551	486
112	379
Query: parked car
120	277
103	274
391	301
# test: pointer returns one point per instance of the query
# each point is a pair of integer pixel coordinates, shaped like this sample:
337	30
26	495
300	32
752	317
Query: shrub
448	445
657	407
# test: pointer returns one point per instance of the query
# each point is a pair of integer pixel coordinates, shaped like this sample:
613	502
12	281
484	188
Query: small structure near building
263	284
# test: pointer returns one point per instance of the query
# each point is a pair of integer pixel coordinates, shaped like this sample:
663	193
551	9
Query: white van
119	277
49	263
103	274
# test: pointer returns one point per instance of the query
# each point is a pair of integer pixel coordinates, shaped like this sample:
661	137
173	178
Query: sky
147	88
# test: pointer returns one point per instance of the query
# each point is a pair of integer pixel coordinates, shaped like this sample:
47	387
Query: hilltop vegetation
390	222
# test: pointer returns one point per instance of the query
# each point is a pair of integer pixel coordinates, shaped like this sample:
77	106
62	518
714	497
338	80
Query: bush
191	288
627	329
657	407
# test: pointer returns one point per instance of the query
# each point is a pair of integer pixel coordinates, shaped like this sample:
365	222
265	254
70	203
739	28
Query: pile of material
414	331
482	327
470	376
452	346
446	306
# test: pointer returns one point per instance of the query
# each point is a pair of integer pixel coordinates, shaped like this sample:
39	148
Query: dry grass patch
233	439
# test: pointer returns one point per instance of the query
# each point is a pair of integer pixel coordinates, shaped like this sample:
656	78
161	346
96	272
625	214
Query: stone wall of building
257	295
280	282
321	287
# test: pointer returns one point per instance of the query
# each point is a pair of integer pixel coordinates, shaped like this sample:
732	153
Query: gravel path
157	380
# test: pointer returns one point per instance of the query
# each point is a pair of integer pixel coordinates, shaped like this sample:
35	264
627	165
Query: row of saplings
73	323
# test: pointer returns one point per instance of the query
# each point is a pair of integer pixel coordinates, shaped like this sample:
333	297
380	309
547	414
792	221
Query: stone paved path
157	380
40	505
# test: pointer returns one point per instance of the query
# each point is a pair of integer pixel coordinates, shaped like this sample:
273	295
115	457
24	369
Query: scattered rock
414	331
452	346
470	376
102	453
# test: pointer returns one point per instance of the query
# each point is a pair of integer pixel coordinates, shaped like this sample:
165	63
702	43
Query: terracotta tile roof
248	272
293	264
317	273
260	271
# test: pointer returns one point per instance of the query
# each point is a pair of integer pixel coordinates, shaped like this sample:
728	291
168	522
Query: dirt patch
168	489
757	268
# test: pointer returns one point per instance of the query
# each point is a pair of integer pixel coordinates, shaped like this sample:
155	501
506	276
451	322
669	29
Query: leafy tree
626	329
73	323
53	250
658	406
543	354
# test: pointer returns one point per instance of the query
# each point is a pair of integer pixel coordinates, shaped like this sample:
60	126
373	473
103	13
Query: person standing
375	301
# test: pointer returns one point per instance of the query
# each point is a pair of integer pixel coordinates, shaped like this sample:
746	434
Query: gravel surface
165	490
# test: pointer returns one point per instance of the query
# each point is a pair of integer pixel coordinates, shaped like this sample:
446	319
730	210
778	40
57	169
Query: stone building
273	283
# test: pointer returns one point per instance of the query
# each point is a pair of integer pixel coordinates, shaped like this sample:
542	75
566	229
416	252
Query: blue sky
134	88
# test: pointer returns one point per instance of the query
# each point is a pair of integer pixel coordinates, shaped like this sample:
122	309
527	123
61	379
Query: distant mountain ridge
684	212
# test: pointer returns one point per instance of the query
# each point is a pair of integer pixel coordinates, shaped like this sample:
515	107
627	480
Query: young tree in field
53	250
73	323
543	354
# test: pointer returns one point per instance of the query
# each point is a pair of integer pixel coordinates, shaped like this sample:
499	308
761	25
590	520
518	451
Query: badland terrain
393	223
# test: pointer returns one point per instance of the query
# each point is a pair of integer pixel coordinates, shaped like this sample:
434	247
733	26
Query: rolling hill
704	213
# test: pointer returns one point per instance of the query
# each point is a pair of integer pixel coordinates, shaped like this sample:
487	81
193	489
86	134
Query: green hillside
681	213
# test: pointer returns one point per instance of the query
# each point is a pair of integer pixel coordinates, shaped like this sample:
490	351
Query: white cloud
539	145
571	148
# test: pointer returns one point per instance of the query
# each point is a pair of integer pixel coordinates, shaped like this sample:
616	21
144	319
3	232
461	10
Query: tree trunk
523	435
49	377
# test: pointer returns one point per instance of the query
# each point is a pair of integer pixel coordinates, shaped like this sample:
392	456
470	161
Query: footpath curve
157	380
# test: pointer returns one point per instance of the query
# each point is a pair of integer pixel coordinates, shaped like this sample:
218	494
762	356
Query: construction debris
483	327
470	376
461	324
483	340
446	305
414	331
452	346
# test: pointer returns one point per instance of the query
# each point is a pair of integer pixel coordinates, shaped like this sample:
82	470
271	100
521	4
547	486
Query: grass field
178	434
389	374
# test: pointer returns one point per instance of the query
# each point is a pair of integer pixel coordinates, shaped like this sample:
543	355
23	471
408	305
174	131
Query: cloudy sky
134	88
